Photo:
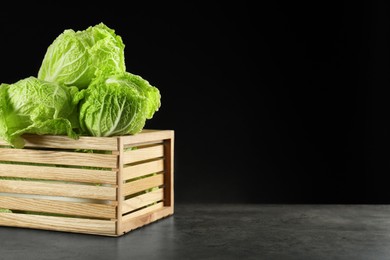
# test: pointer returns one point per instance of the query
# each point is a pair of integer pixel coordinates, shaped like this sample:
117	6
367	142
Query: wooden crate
94	185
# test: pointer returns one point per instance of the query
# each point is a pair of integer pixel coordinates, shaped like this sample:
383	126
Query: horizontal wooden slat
141	200
58	173
138	170
150	214
59	207
143	154
158	205
142	184
147	135
58	189
56	157
92	142
64	142
77	225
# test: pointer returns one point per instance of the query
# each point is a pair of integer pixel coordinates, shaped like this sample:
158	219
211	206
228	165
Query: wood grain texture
150	216
139	170
59	157
169	172
58	173
59	207
65	142
78	225
147	135
143	154
58	189
142	200
142	184
152	208
120	183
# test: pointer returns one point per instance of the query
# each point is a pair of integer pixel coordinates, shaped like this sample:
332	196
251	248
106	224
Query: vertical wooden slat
168	172
119	196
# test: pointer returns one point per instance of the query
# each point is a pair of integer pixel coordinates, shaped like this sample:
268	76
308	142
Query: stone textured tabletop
223	231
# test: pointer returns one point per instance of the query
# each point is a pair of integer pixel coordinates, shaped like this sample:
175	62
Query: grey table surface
223	231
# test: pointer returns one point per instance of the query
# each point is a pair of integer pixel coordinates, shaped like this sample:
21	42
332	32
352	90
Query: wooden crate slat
142	184
134	222
58	189
65	142
147	135
59	157
151	208
169	174
78	225
138	170
59	207
142	200
143	154
58	173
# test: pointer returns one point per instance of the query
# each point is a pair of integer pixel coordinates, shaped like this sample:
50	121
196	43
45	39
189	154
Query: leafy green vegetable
82	88
39	107
5	211
117	104
74	57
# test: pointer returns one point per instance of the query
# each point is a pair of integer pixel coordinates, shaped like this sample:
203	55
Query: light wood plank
142	184
138	170
133	222
141	200
92	142
58	173
61	158
58	189
147	135
143	154
77	225
59	207
169	172
65	142
151	208
119	197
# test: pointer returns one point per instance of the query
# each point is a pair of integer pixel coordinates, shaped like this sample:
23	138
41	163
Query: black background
273	103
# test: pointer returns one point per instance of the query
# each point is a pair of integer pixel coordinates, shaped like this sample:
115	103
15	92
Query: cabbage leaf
117	104
36	106
74	57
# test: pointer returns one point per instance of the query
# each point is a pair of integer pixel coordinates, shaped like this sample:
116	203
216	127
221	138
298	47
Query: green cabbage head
74	57
36	106
117	104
